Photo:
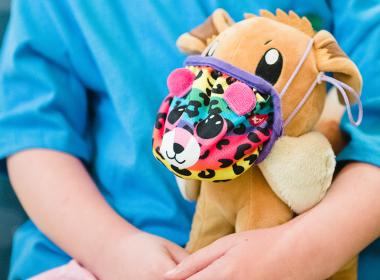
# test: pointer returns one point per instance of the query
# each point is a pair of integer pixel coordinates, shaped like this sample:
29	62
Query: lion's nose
178	148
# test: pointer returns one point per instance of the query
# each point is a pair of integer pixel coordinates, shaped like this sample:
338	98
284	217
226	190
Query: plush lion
238	123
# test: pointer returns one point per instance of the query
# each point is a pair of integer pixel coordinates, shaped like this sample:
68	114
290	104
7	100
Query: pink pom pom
180	81
240	98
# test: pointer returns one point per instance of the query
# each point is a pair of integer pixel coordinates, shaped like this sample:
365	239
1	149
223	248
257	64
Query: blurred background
11	214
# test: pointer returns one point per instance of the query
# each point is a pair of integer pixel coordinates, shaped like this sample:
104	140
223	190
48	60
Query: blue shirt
87	77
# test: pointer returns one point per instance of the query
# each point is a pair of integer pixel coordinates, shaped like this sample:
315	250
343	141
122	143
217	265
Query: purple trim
252	80
277	128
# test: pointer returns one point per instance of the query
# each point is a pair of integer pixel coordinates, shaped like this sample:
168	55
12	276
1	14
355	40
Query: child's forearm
63	201
346	221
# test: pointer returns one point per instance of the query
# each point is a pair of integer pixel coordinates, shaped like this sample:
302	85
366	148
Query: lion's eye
270	66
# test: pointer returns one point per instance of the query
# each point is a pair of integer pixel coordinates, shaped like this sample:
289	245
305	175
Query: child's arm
312	246
61	198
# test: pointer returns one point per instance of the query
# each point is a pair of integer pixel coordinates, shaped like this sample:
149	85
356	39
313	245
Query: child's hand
140	256
261	254
67	206
314	245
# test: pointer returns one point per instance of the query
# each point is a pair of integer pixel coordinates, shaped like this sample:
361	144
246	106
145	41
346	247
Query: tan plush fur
329	122
250	201
189	188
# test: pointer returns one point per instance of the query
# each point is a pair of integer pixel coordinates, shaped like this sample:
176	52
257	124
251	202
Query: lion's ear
195	41
331	58
249	15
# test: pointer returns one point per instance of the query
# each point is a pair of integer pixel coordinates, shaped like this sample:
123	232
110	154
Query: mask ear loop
299	65
341	87
302	102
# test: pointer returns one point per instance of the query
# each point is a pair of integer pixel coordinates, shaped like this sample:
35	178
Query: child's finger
217	270
197	261
177	253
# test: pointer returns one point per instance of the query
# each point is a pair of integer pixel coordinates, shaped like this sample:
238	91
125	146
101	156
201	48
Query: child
80	86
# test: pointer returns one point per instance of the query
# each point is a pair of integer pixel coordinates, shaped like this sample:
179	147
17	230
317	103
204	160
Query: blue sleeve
356	26
42	102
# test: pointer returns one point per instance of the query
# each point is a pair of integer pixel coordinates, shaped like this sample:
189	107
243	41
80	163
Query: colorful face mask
219	120
216	122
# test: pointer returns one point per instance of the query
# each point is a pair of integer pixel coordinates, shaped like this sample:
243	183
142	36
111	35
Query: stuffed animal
237	125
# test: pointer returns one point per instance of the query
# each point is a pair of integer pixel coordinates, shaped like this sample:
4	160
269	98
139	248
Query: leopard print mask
216	122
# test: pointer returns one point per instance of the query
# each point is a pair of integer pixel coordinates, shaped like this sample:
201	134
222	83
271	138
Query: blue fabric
87	77
356	25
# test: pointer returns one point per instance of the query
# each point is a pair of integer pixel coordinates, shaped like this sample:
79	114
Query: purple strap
298	68
341	87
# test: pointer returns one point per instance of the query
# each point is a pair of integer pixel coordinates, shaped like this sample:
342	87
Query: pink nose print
180	81
240	98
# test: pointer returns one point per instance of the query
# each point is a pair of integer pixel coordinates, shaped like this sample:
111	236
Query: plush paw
300	169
